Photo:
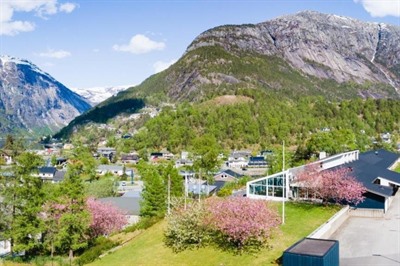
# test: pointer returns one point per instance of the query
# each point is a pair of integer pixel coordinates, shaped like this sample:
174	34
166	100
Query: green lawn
148	247
397	169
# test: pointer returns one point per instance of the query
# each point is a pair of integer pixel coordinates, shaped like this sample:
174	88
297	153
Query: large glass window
270	187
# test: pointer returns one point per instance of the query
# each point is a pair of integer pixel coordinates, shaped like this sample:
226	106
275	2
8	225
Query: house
183	162
199	187
257	161
5	247
386	137
227	175
6	156
374	169
163	155
106	152
47	173
130	158
238	159
118	170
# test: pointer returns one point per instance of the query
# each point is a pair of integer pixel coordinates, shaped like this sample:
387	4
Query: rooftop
312	246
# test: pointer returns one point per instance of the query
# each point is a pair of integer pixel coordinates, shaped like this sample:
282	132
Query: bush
240	224
102	244
185	228
144	223
235	224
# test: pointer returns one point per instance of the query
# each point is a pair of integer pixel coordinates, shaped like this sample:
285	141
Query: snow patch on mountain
96	95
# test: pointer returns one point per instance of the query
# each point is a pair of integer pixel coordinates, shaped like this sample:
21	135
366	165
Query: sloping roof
107	167
59	176
130	205
47	170
231	173
374	164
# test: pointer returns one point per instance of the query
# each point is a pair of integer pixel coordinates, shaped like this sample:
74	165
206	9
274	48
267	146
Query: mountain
308	53
33	101
97	95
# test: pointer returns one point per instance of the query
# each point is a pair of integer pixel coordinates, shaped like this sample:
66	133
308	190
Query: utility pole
169	194
284	183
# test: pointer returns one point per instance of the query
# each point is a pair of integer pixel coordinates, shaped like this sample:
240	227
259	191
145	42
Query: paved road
371	241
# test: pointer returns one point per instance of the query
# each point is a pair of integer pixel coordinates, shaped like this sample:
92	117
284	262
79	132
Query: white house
113	169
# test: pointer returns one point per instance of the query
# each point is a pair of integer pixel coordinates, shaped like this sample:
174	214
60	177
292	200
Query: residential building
257	161
47	173
238	159
227	175
113	169
374	169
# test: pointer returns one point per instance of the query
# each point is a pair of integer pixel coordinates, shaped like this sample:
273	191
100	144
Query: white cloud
58	54
41	8
161	65
139	44
67	7
381	8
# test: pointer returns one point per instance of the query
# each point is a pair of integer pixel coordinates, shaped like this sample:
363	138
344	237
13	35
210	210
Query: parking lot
371	241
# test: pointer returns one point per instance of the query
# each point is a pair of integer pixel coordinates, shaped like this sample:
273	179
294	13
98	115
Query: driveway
371	241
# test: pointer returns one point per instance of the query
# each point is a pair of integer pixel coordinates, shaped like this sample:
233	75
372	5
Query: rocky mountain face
305	54
320	45
32	101
97	95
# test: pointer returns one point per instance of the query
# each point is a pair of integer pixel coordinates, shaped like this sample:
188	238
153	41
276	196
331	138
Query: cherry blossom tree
241	223
337	184
105	218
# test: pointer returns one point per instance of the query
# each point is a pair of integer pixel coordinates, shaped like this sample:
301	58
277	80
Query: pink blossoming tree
105	218
241	223
337	185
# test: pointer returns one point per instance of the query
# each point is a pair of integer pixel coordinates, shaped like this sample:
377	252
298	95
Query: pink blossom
106	218
337	184
241	219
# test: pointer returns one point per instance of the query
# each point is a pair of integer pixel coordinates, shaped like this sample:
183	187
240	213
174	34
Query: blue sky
109	43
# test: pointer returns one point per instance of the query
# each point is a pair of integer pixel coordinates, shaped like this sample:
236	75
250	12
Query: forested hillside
257	120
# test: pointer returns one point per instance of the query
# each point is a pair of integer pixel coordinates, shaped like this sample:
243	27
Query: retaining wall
328	228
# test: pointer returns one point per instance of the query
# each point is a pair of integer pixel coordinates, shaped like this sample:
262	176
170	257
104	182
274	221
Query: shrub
185	228
240	224
102	244
236	224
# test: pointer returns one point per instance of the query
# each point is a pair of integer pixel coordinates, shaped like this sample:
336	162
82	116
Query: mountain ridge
304	54
32	101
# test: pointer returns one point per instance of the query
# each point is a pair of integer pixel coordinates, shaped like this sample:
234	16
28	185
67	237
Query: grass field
148	248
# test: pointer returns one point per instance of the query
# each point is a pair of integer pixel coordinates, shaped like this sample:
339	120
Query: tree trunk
71	256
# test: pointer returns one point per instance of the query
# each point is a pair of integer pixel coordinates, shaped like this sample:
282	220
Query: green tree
74	219
83	159
206	150
154	193
23	198
101	188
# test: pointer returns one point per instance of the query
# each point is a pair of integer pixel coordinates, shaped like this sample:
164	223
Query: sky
92	43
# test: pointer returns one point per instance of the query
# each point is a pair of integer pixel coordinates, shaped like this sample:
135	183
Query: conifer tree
23	198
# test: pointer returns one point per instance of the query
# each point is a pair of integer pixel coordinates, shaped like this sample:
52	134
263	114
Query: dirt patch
229	100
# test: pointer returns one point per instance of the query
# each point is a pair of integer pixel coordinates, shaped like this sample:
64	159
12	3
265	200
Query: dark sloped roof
231	173
47	170
374	164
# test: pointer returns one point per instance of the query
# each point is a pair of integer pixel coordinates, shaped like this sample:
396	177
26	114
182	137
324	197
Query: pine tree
154	192
74	220
23	198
